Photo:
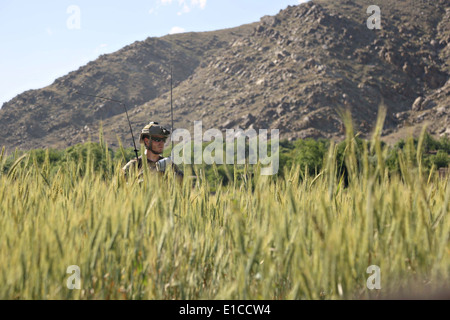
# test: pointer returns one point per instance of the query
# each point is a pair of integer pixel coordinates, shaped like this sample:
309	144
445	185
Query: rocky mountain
294	71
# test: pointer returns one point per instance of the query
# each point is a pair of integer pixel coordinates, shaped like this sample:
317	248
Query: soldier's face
157	146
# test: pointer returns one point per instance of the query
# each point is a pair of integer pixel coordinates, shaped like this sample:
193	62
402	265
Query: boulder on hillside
271	21
247	120
434	77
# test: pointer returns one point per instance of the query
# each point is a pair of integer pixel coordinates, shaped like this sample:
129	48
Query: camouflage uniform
129	168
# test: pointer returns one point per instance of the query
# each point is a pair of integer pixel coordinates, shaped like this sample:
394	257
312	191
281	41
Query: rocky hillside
56	116
294	71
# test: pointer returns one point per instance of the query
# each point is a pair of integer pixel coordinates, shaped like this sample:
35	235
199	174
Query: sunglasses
158	139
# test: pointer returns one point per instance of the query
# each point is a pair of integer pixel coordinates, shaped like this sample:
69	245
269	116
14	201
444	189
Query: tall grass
297	237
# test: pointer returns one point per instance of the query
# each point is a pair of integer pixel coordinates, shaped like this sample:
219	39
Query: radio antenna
126	111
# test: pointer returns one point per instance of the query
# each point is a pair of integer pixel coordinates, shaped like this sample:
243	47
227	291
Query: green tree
441	159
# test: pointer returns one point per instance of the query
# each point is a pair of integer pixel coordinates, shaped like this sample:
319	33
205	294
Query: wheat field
294	236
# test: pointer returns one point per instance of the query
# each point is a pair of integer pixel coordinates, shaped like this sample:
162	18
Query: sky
46	39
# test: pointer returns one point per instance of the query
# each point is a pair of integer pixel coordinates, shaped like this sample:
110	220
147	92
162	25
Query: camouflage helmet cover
153	128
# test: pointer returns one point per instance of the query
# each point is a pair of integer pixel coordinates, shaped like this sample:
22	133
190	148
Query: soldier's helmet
153	128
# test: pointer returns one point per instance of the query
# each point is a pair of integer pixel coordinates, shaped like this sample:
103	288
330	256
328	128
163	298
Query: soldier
153	136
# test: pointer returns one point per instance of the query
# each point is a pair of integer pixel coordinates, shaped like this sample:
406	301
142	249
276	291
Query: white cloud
200	3
176	30
186	5
185	9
